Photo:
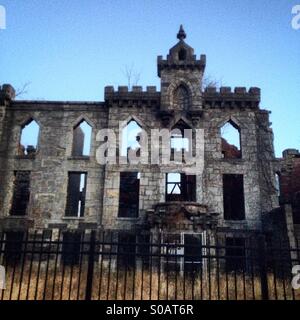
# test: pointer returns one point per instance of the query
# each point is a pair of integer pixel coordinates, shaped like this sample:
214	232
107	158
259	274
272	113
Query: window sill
16	217
73	218
17	222
127	219
85	158
232	159
28	157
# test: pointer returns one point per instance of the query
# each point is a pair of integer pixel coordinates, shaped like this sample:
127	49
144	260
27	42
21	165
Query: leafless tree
131	75
21	91
208	82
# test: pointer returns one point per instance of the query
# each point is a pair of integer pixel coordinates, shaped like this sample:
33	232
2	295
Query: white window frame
179	251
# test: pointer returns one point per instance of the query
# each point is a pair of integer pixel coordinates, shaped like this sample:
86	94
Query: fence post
263	267
90	271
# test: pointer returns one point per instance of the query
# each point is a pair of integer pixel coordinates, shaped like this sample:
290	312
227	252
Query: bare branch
137	77
131	75
208	82
23	90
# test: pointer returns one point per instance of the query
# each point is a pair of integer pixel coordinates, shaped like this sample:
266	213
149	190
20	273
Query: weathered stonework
208	110
289	185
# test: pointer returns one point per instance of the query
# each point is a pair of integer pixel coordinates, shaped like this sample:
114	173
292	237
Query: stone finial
7	92
181	35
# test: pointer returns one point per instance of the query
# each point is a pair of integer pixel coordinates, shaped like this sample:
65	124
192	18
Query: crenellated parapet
135	96
172	62
226	97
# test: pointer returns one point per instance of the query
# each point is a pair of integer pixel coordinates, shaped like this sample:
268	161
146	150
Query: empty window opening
180	187
130	138
71	247
126	250
235	254
76	194
231	141
29	138
182	54
181	98
181	138
129	194
21	193
233	197
82	134
13	247
178	142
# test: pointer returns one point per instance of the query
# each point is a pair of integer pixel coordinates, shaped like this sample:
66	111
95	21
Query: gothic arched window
181	138
231	140
82	134
181	99
130	138
29	138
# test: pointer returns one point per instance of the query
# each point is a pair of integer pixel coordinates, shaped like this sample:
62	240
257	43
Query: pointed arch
180	120
82	137
133	118
129	132
181	98
180	94
230	133
81	118
233	120
29	137
181	140
29	119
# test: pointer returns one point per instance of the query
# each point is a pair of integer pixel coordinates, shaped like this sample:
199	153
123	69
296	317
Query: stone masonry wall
207	110
53	161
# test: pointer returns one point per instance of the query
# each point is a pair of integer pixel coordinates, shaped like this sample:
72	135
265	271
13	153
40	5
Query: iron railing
111	265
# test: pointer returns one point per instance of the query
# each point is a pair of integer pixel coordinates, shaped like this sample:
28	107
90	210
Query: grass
53	281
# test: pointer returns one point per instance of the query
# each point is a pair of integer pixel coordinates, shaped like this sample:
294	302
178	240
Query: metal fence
110	265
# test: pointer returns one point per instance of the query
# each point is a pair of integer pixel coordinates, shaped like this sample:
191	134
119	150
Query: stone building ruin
56	185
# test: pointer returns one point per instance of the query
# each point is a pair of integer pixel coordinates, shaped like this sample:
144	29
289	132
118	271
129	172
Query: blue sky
70	50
